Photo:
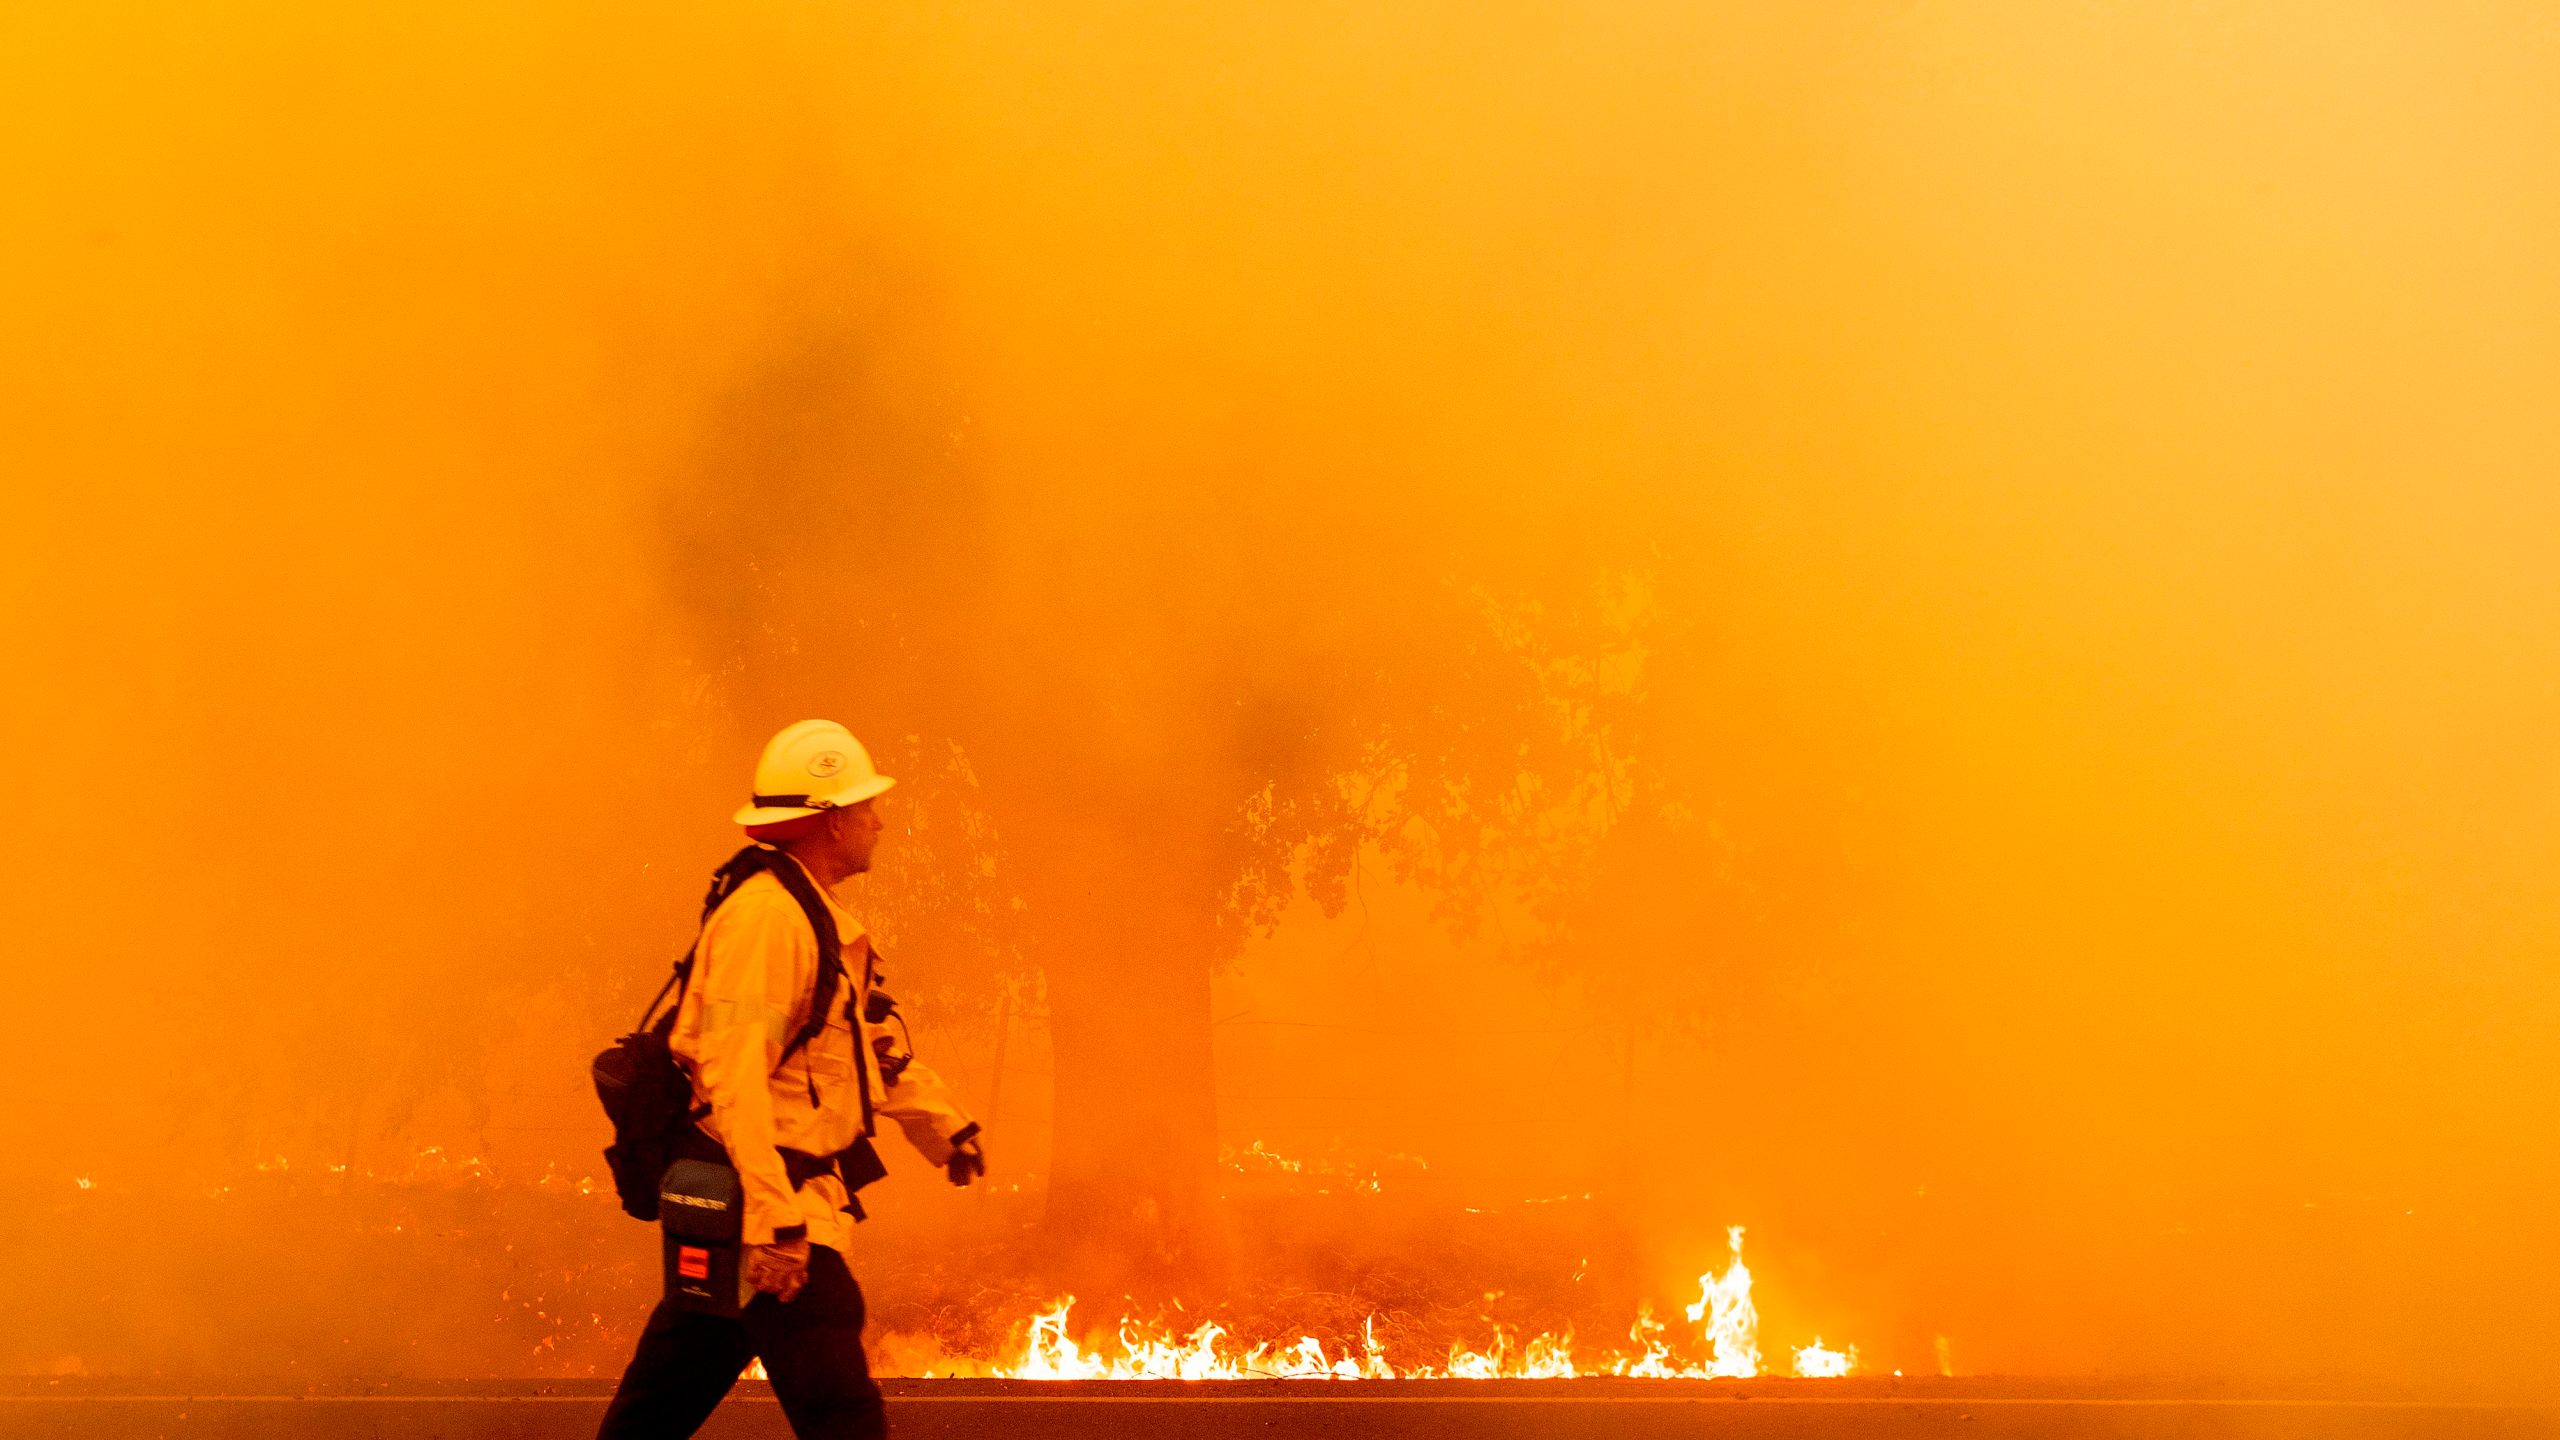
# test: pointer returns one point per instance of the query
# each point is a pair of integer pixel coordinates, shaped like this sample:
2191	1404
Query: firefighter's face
855	832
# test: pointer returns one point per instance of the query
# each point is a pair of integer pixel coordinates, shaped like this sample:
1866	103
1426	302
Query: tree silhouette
1120	785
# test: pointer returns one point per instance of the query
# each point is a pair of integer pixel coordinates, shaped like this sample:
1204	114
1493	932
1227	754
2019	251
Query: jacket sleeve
756	958
919	1099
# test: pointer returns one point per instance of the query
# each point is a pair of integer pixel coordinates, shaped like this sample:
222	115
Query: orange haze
2092	473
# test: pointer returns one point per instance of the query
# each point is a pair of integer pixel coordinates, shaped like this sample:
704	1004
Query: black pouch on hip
703	1214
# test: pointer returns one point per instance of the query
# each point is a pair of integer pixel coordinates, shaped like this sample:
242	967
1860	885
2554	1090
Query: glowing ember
1323	1175
1727	1334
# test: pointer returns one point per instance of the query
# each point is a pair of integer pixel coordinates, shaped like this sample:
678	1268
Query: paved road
1570	1410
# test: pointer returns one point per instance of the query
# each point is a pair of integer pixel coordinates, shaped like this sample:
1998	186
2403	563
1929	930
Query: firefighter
794	1124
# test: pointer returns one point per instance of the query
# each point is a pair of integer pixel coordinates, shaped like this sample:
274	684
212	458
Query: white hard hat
812	766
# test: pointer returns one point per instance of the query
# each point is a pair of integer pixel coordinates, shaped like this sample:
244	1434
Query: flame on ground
1816	1363
1733	1326
1727	1327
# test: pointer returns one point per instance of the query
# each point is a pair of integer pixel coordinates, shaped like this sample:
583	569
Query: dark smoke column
1128	795
1123	789
835	555
1158	708
1126	953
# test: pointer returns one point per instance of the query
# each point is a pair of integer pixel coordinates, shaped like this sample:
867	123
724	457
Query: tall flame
1733	1325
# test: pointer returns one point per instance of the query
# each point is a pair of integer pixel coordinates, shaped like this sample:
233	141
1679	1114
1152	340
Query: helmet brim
853	794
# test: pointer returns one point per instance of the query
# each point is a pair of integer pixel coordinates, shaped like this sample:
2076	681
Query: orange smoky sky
2085	476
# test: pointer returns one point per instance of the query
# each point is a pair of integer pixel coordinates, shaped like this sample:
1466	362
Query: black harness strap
736	871
830	955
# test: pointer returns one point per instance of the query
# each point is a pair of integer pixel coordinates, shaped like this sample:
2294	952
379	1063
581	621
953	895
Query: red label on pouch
693	1262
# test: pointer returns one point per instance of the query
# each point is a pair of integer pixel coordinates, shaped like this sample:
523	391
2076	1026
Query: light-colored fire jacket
754	975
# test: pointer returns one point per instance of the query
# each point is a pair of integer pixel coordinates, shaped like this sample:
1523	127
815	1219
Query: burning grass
441	1266
1723	1342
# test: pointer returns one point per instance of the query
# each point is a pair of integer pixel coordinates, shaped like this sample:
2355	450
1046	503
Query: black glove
967	1162
884	1048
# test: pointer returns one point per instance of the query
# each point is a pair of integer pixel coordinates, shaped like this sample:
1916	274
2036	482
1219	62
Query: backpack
646	1095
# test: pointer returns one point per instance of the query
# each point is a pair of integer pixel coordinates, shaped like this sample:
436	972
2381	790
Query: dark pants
811	1348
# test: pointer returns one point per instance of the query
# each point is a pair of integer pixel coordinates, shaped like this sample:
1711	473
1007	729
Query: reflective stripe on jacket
754	975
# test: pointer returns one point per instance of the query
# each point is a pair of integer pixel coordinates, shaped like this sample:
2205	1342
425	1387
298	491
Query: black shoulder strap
675	982
830	950
737	870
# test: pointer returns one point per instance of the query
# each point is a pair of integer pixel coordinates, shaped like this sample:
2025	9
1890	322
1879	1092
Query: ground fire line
1726	1329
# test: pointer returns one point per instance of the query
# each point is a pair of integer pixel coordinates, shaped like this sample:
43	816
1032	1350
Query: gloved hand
893	1061
779	1270
967	1162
